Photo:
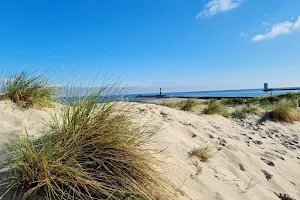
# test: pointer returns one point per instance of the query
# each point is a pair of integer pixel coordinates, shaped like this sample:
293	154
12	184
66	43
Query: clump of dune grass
90	151
242	111
284	111
28	89
215	107
173	103
186	105
203	153
189	105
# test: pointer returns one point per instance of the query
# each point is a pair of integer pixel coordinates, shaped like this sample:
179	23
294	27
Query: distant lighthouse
266	86
159	91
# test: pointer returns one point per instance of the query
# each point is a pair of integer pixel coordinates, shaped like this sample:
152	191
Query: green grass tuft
90	151
215	107
28	90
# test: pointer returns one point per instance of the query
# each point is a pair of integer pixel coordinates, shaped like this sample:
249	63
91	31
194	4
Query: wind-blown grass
215	107
284	111
91	151
28	90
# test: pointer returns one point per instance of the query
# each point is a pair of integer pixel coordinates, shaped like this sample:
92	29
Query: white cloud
283	28
216	6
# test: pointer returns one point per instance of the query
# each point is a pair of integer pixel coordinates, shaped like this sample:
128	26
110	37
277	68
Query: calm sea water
217	93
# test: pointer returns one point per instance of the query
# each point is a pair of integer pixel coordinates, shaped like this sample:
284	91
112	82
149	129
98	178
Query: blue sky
174	44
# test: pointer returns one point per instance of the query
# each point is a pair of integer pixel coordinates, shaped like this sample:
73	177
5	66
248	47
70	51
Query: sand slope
251	160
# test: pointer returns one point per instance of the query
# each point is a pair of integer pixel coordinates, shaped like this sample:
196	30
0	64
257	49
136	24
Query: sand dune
250	161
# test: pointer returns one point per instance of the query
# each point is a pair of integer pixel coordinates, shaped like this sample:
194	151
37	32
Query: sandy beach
250	160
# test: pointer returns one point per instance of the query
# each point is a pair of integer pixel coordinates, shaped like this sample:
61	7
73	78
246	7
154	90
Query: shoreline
191	97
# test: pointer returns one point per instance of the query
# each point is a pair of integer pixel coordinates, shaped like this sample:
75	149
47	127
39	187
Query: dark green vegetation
215	107
28	90
90	151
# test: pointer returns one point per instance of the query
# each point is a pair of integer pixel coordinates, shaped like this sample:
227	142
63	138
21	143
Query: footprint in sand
257	142
268	162
267	174
285	197
242	167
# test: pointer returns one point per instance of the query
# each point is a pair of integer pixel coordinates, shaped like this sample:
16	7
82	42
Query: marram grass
28	89
241	112
91	151
205	154
284	111
189	105
215	107
186	105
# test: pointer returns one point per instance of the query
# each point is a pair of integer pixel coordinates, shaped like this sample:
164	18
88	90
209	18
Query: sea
213	93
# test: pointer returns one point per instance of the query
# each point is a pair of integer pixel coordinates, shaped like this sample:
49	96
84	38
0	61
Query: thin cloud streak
283	28
217	6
